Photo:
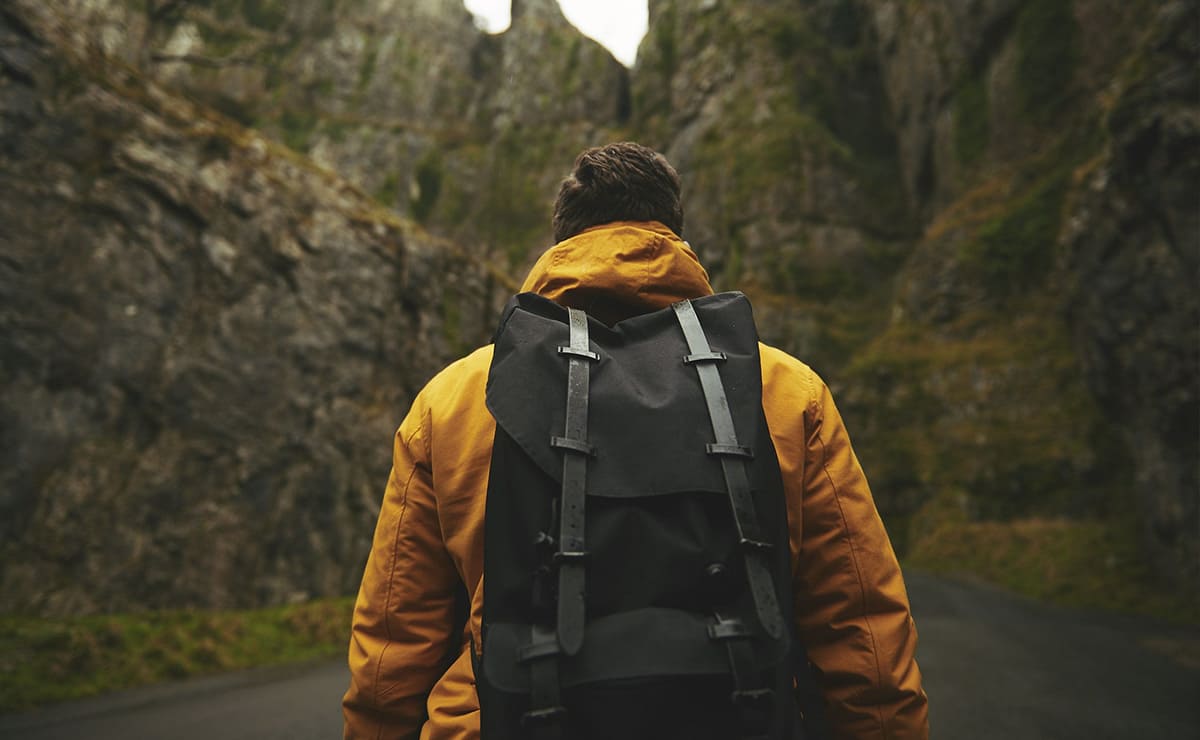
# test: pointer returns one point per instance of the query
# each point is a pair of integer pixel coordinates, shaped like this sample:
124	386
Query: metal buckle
704	357
572	352
722	450
543	717
728	629
752	698
573	445
570	556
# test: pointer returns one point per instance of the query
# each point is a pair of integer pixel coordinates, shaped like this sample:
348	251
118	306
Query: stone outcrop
962	214
1133	253
207	342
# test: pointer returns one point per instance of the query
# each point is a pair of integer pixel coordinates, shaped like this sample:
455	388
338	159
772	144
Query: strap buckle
571	556
583	353
704	357
543	717
752	698
573	445
726	450
728	629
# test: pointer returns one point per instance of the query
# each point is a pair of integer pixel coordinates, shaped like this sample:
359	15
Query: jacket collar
618	270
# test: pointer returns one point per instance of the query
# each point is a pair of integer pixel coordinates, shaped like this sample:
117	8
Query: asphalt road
996	667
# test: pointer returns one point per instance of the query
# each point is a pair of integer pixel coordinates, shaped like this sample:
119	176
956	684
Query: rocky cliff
1131	246
978	220
975	219
207	341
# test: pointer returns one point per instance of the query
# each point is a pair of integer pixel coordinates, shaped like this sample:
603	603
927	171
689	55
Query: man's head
618	182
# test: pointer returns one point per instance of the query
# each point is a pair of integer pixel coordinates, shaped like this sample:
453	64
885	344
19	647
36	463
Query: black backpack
636	575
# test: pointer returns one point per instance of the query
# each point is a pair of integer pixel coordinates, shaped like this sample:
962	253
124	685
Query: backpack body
683	607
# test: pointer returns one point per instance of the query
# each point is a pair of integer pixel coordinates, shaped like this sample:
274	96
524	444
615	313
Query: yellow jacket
852	611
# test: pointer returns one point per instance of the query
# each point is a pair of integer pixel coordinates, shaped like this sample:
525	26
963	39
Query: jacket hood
618	270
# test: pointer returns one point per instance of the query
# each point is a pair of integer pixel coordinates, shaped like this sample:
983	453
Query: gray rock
207	343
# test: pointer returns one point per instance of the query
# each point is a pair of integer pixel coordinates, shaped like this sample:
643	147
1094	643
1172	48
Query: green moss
1077	563
296	128
265	14
571	65
1014	252
514	209
971	114
429	186
1047	54
452	324
366	68
845	26
389	191
666	45
732	272
790	35
46	660
222	41
994	409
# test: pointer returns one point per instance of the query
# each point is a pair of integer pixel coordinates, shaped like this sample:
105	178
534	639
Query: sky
618	24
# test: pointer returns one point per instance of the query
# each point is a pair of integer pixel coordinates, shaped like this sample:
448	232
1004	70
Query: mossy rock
998	411
971	115
1047	54
428	186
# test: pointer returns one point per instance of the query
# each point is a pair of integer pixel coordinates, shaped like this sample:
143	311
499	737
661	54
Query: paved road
297	703
996	667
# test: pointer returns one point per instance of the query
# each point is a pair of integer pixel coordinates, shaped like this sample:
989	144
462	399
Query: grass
1090	564
48	660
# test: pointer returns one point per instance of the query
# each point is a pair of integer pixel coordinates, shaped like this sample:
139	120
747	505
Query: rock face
1133	248
976	219
206	340
1051	150
465	132
962	214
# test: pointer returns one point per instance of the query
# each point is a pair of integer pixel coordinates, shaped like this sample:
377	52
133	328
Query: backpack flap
649	412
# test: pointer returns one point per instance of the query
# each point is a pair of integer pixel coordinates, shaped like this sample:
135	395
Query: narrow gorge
237	236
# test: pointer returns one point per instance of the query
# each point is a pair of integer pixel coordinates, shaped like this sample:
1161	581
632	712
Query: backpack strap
546	717
753	699
733	464
572	550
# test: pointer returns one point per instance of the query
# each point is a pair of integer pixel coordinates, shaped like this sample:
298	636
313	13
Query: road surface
997	667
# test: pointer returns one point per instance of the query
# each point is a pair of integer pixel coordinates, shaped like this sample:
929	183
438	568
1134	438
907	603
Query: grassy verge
44	660
1092	564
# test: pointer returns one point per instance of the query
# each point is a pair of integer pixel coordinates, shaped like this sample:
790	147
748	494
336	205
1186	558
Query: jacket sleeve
851	608
403	614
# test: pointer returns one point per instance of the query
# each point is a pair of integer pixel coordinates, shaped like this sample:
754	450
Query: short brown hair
618	182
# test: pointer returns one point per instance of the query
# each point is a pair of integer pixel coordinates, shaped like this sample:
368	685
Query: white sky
618	24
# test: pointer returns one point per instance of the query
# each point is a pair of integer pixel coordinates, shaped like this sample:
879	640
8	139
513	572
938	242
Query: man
617	221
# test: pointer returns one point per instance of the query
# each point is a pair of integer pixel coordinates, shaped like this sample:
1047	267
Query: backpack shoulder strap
572	551
732	457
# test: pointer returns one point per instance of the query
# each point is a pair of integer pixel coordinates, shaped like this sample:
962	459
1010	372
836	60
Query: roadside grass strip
46	660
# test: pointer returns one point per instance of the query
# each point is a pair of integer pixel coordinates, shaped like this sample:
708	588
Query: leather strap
572	552
733	465
755	702
546	715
